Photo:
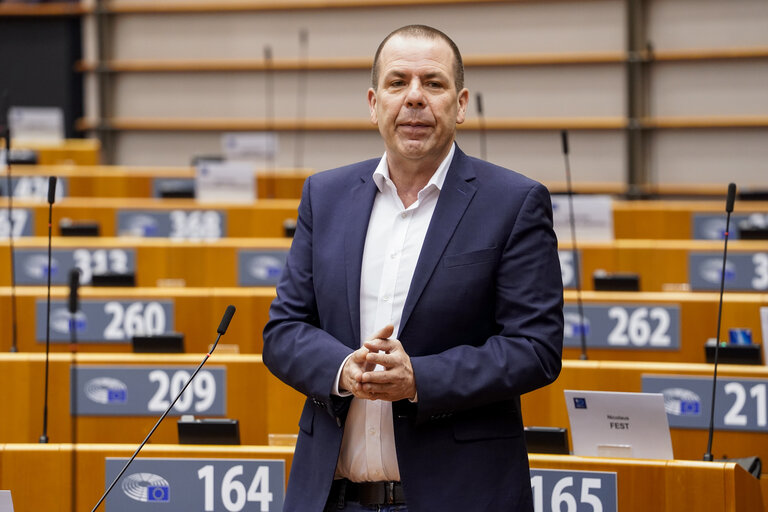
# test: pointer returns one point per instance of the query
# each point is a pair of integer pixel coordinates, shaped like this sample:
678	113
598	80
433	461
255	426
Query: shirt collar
381	174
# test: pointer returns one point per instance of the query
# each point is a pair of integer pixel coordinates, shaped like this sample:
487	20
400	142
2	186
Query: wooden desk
40	476
665	219
137	182
259	219
197	313
663	486
256	398
546	406
208	264
648	220
660	264
698	321
71	151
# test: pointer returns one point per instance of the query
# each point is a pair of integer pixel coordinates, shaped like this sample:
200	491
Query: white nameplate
249	146
764	323
38	124
6	503
593	215
225	182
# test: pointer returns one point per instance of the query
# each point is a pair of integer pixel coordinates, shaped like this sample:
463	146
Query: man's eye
397	83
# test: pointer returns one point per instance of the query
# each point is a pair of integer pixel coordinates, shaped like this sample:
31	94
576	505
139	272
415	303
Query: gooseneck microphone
576	264
73	306
269	96
221	330
301	98
481	126
51	199
5	133
728	209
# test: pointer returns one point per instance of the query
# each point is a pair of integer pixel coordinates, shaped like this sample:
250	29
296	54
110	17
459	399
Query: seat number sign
573	491
182	485
624	326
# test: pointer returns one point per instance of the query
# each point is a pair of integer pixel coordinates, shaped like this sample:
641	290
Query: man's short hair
423	32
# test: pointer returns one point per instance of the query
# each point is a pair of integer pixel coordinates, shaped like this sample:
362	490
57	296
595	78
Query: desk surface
664	486
659	264
546	406
255	397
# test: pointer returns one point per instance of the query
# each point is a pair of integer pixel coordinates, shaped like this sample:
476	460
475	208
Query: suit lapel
456	194
360	200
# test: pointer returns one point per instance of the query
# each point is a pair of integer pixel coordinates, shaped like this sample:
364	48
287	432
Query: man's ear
463	100
372	105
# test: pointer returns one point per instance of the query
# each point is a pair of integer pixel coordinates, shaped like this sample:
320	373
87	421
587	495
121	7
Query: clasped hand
394	382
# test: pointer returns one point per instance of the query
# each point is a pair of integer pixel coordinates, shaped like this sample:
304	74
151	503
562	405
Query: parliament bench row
660	265
190	219
241	387
644	326
74	477
31	181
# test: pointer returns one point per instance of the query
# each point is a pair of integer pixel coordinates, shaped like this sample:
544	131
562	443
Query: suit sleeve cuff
336	391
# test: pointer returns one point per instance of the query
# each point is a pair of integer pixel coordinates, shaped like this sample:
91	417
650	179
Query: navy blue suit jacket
482	324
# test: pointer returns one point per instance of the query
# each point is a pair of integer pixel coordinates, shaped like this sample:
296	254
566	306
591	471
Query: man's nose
415	97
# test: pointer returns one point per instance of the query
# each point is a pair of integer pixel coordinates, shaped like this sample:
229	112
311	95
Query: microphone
51	199
269	96
72	307
481	124
5	133
269	116
301	98
221	330
576	265
728	209
73	304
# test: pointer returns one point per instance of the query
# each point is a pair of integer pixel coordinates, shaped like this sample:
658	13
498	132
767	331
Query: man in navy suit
421	297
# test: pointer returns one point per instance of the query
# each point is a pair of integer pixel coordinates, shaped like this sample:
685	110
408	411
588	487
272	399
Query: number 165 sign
573	491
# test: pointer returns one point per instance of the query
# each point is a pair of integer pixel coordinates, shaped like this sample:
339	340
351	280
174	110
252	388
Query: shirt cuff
336	391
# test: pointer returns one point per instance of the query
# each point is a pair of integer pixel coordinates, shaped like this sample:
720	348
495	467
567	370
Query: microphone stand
481	125
576	265
728	209
51	198
5	132
301	98
221	330
74	283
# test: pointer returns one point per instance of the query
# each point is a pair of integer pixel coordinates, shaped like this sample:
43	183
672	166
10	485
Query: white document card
225	182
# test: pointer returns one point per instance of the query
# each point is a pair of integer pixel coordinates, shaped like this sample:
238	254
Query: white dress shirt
392	247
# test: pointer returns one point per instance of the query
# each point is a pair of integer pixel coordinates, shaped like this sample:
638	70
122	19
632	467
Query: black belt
366	493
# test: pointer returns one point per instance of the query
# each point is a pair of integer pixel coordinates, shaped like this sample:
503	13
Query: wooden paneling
262	404
546	406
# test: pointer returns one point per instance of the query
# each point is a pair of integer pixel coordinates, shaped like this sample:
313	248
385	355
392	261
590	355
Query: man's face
416	105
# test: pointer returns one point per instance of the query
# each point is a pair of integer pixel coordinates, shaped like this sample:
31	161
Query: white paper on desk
764	323
225	182
593	216
6	503
256	147
36	124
